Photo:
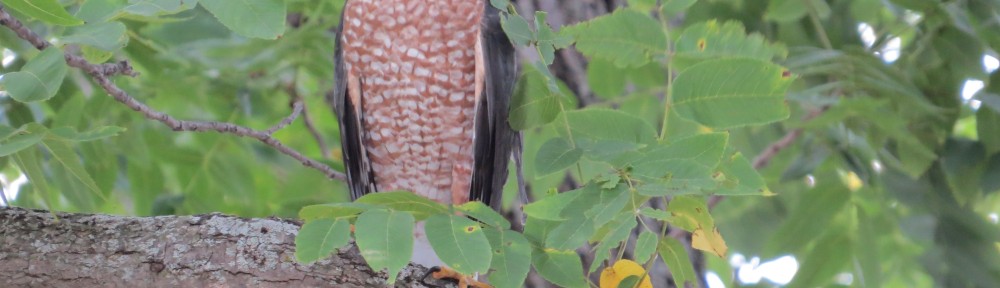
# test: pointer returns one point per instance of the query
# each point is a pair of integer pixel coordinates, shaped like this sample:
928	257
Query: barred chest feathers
416	63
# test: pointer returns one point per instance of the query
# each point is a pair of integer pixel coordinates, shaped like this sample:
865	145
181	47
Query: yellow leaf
709	242
612	276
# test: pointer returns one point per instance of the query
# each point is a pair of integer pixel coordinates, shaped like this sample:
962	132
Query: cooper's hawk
422	94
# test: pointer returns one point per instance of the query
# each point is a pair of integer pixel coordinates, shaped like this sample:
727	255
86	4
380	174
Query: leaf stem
670	77
820	31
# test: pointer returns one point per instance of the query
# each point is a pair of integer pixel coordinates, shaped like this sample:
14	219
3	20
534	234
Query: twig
100	73
294	94
297	109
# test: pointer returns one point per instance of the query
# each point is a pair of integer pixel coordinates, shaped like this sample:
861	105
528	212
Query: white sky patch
969	89
877	166
994	217
779	271
714	281
844	279
11	188
867	34
912	17
990	63
889	52
7	57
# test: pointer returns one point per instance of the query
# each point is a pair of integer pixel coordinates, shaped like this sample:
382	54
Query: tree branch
42	249
100	73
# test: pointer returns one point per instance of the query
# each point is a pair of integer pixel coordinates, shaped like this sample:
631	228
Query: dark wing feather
494	137
359	173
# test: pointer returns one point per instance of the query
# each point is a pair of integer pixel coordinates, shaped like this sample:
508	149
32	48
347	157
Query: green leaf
990	182
829	256
334	210
460	243
533	103
988	129
609	125
70	134
626	37
612	202
621	228
606	80
551	208
642	5
484	214
562	268
318	239
687	164
741	178
631	281
263	19
570	234
108	36
690	213
20	142
49	11
676	257
732	92
419	206
556	155
786	10
152	8
64	154
511	258
517	29
709	40
500	4
645	246
671	7
29	164
655	213
547	40
385	239
39	79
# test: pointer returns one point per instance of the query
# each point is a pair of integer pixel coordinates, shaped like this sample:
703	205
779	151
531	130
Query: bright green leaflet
251	18
459	242
627	37
419	206
378	235
318	239
732	92
49	11
511	258
39	79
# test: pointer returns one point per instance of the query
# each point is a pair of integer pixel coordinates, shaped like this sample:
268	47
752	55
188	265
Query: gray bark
41	249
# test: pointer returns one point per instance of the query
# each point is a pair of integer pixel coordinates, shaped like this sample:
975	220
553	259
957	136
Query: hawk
422	94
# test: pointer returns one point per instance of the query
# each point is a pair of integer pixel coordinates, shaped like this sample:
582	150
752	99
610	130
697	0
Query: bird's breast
416	63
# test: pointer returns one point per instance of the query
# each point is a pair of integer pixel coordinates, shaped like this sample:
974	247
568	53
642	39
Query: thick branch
100	73
37	249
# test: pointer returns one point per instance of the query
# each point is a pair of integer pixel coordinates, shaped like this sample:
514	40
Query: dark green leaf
710	40
334	210
570	234
153	8
556	155
20	142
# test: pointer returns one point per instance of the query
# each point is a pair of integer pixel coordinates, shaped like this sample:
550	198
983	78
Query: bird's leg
445	273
